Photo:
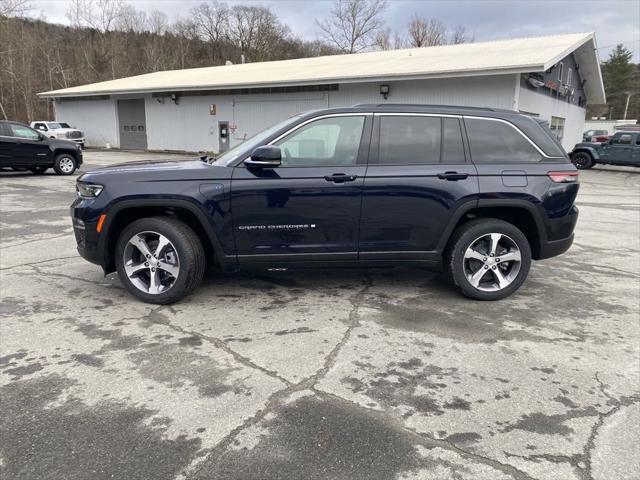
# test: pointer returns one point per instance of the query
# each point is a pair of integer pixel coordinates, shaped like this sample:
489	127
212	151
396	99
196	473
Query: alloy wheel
492	262
151	262
66	165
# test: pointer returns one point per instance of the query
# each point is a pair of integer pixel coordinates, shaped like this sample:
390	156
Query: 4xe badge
297	226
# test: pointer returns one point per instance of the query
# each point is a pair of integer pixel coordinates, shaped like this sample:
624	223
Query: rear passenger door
418	176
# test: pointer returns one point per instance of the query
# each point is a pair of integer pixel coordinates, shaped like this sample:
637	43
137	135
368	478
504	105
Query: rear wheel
582	160
64	164
159	260
39	170
488	259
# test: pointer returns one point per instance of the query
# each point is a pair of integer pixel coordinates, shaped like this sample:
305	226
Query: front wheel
582	160
488	259
64	164
159	259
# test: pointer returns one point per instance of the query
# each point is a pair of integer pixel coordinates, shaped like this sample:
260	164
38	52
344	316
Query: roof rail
422	105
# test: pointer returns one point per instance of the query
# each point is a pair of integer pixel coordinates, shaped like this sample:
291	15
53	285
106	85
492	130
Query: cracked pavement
376	374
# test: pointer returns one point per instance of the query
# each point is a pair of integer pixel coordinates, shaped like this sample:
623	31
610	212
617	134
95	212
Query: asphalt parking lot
315	375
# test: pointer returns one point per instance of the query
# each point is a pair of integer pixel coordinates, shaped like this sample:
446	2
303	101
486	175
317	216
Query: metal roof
522	55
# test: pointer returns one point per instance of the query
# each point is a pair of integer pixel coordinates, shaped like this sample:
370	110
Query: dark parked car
590	135
476	192
23	148
621	149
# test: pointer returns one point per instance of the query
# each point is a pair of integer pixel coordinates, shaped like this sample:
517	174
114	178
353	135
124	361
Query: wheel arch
123	213
589	151
519	213
67	151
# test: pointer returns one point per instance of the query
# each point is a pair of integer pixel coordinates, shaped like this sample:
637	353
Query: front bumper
85	233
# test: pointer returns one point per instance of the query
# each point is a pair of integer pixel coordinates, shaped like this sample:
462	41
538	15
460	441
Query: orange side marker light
101	222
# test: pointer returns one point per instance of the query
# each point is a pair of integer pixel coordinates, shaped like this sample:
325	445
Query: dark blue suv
476	192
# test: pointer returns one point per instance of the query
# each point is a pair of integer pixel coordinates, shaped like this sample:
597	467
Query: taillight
563	177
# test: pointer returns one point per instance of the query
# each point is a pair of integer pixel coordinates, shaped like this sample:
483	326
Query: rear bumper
555	247
561	233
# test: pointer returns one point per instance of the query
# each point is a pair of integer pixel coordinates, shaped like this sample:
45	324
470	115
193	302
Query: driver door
308	208
29	148
619	150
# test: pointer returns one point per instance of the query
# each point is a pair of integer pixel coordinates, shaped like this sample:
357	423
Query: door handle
452	176
340	178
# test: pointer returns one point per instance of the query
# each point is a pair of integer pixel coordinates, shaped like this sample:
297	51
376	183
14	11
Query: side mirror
266	156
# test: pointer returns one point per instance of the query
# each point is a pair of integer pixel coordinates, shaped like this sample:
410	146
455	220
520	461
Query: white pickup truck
59	130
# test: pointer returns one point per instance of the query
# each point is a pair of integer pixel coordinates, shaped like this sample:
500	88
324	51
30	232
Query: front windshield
64	125
55	126
252	143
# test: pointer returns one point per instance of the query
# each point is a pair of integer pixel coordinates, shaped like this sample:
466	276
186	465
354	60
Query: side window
560	71
452	147
4	130
638	139
41	126
492	141
329	141
21	131
623	139
557	127
409	140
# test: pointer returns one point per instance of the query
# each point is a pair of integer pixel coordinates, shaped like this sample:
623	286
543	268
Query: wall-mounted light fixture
384	91
175	99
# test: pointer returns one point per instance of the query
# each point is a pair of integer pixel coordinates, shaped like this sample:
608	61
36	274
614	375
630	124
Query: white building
550	77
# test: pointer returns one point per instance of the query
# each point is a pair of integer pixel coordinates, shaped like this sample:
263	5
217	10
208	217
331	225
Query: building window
557	127
569	75
560	71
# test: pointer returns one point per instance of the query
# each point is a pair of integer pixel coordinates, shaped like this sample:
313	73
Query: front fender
594	152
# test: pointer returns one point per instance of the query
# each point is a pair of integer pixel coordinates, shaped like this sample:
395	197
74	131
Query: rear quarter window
493	141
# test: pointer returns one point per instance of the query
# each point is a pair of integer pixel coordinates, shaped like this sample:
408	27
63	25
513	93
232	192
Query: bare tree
131	20
211	23
426	32
14	8
257	32
102	15
353	25
387	40
460	35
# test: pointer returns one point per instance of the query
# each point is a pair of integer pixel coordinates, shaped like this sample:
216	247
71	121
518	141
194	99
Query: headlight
88	190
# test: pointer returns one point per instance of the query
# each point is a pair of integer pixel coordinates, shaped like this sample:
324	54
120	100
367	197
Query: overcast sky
614	21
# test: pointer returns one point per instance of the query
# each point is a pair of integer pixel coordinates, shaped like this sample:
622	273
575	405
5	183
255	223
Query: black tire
465	236
189	250
39	170
582	160
61	164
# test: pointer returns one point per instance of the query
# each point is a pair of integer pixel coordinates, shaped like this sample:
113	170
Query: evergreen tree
620	77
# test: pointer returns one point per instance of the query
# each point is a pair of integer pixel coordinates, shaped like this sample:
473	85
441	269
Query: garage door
132	124
253	116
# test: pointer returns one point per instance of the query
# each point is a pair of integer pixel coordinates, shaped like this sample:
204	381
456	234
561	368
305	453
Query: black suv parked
621	149
23	148
478	192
